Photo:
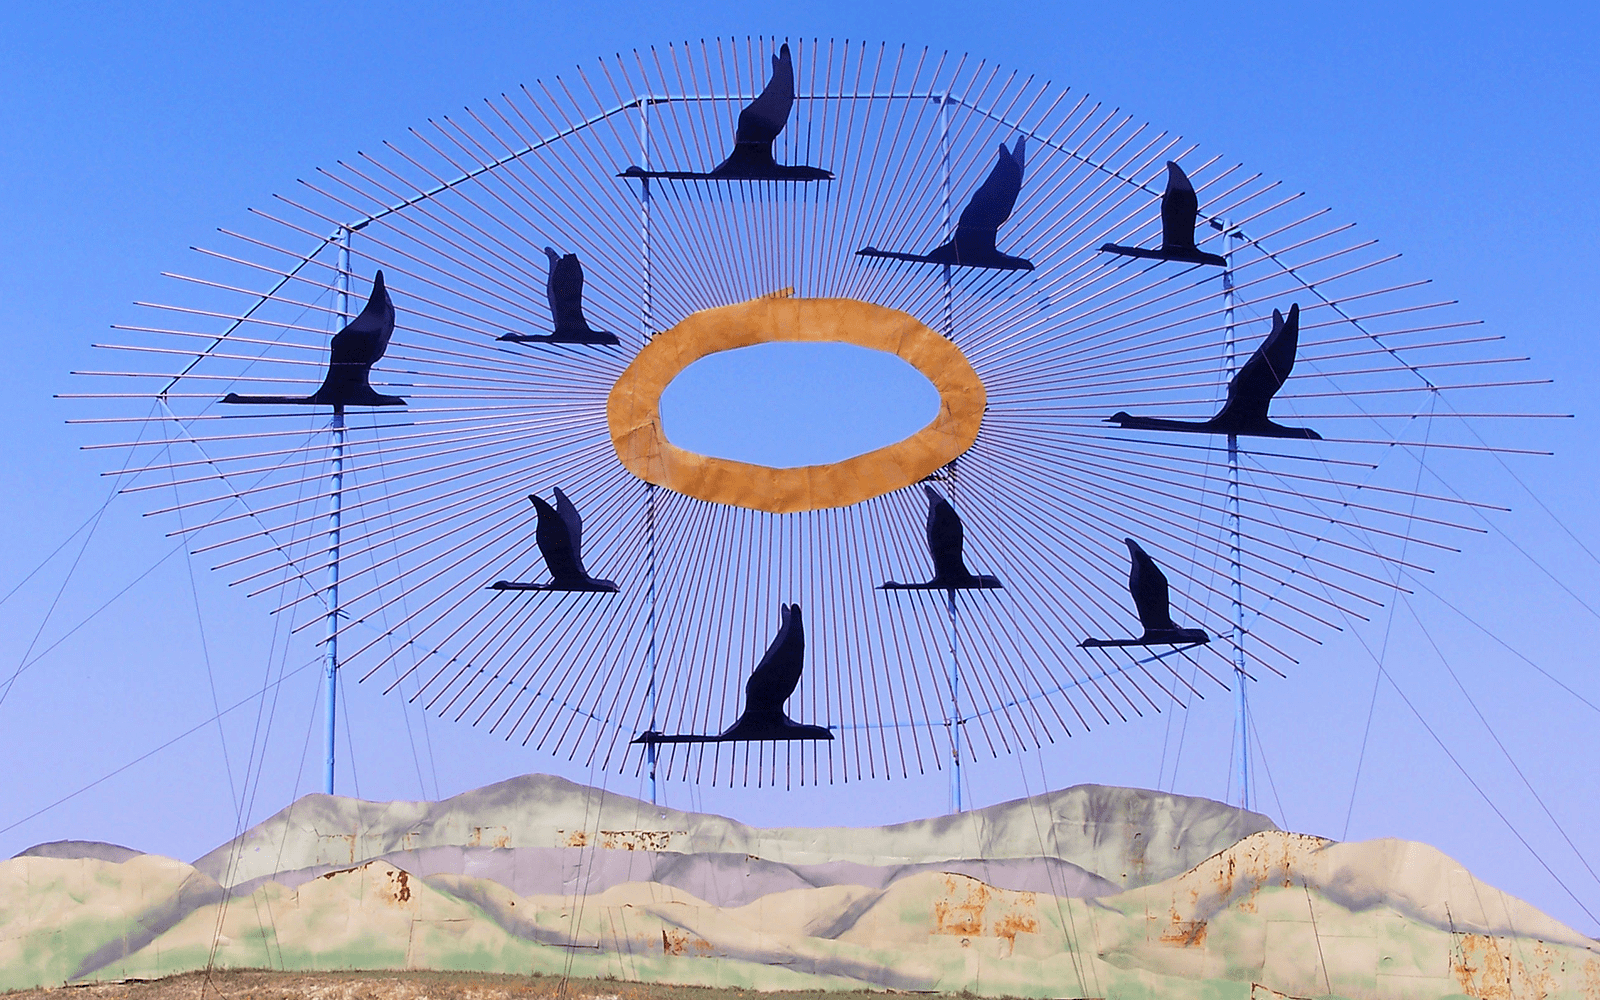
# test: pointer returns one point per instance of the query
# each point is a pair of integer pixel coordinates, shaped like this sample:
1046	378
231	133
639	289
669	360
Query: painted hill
1089	891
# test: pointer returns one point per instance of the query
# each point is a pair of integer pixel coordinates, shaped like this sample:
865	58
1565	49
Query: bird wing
778	674
764	118
1259	378
366	337
1179	208
945	537
556	543
570	517
565	287
554	260
992	203
1148	585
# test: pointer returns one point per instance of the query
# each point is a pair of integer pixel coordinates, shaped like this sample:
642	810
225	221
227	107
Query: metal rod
335	505
646	319
949	332
1235	561
955	710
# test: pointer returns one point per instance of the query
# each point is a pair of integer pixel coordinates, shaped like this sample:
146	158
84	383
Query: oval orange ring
633	410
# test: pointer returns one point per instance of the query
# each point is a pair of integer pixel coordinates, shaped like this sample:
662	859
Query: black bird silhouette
770	685
1179	209
945	541
355	350
972	245
564	289
1249	394
760	124
560	538
1148	585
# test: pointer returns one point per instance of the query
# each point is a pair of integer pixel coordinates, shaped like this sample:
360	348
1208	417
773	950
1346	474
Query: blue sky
1464	136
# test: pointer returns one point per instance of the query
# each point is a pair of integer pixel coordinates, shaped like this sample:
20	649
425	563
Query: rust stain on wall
677	941
489	836
1185	933
1009	925
620	840
399	890
968	908
1486	968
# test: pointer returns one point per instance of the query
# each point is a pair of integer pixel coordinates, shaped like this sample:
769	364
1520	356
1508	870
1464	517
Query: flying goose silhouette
1148	585
760	124
560	538
945	541
354	351
1179	209
1249	394
770	685
564	289
972	245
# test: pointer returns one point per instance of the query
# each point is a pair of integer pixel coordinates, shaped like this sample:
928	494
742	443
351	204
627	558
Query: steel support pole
956	722
1241	724
335	513
646	319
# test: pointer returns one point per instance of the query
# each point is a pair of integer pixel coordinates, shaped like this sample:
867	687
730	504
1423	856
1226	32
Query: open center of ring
633	410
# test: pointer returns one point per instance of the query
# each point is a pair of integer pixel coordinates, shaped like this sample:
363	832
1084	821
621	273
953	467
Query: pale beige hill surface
1268	912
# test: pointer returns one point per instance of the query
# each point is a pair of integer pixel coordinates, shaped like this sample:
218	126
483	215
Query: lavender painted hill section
1128	837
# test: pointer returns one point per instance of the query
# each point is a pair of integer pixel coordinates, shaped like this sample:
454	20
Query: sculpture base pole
335	512
1241	724
331	652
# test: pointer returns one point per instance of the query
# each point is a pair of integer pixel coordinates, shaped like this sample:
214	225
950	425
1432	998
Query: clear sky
1465	136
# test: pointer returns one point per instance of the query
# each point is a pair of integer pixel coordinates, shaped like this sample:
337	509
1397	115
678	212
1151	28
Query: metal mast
646	319
335	511
950	480
1241	742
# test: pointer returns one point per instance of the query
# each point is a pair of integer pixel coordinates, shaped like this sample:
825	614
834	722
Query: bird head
1177	180
379	309
555	258
1018	151
544	509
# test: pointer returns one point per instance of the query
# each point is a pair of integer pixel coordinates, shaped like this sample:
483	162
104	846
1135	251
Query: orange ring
633	410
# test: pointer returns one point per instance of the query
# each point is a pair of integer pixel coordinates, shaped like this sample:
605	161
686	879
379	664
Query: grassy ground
265	985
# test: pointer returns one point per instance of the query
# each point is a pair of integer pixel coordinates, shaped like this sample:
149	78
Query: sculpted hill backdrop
1089	891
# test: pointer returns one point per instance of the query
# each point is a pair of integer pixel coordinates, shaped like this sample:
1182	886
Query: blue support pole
335	510
1241	725
646	322
956	722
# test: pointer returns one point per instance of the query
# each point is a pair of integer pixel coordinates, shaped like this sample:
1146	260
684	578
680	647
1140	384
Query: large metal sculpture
1180	208
351	355
564	290
946	541
771	683
973	243
1152	599
1250	391
760	124
560	540
1275	533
